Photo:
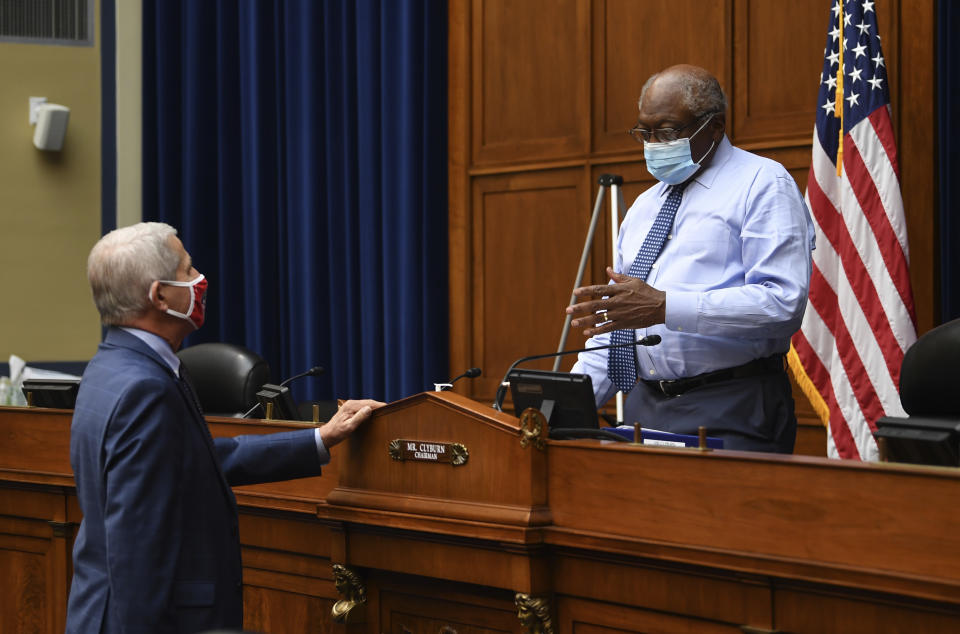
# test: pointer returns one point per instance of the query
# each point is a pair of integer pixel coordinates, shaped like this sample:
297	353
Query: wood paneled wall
542	93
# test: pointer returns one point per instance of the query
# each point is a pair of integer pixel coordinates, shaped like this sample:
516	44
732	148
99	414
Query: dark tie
188	386
622	362
187	383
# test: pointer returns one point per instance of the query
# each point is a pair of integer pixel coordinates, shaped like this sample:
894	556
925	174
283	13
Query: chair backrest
225	376
930	373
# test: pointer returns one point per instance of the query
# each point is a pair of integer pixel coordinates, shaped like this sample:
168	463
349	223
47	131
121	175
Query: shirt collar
159	345
708	174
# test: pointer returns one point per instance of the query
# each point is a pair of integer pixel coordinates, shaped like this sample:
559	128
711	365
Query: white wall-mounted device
51	121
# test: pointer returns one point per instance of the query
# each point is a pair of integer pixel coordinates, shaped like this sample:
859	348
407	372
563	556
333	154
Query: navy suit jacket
158	547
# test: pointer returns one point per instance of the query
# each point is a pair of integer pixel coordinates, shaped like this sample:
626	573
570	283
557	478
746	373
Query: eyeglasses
641	135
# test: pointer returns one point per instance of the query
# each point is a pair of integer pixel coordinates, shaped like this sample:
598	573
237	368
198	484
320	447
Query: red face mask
198	300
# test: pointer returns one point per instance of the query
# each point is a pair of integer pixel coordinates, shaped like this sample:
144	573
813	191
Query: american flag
860	317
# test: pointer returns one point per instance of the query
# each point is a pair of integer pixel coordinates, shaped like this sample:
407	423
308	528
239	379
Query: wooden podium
442	515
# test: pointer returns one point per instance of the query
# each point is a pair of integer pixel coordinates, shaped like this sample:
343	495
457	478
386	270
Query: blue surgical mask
670	162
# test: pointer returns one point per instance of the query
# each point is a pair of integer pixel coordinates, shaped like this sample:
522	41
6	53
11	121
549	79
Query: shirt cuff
322	452
681	312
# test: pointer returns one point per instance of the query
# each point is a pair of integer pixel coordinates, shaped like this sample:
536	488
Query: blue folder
654	437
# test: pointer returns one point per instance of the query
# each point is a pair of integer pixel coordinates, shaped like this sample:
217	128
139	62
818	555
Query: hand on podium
346	420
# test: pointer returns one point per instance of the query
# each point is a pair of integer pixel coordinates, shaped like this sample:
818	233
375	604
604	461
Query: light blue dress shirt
160	345
735	269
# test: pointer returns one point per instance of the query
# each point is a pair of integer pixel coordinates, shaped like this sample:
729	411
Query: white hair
700	94
124	263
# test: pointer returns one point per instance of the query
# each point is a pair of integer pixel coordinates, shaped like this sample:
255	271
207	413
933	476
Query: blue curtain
300	149
948	111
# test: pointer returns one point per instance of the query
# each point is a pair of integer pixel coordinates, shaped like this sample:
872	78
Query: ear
719	123
157	299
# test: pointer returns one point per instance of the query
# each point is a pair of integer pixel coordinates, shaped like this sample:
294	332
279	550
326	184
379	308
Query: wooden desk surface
716	537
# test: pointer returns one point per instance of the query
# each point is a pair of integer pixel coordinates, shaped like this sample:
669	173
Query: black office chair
929	381
225	376
930	373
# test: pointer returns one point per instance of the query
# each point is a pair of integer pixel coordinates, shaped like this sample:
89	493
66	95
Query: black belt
676	387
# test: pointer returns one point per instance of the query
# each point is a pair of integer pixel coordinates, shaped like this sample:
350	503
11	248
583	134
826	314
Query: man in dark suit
158	548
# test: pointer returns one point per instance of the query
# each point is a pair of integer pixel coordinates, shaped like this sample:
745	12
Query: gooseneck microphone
472	373
314	371
649	340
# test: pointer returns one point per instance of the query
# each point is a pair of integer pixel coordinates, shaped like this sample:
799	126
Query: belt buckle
665	387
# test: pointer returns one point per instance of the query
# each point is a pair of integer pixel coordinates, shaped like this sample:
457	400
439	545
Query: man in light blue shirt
725	293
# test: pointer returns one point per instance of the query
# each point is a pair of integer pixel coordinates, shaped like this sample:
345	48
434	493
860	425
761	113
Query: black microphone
314	371
649	340
472	373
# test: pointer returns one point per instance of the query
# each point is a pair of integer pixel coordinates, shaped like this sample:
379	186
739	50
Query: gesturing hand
627	303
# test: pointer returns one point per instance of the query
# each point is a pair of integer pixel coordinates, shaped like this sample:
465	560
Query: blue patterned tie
622	362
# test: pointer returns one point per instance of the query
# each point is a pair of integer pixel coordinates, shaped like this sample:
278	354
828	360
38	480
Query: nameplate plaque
454	454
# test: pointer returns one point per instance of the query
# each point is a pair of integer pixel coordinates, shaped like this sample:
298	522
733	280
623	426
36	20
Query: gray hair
701	95
124	263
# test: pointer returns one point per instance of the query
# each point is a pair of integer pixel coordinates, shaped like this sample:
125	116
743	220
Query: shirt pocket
708	235
706	260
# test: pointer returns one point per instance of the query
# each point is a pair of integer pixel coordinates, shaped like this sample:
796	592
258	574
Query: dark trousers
750	414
